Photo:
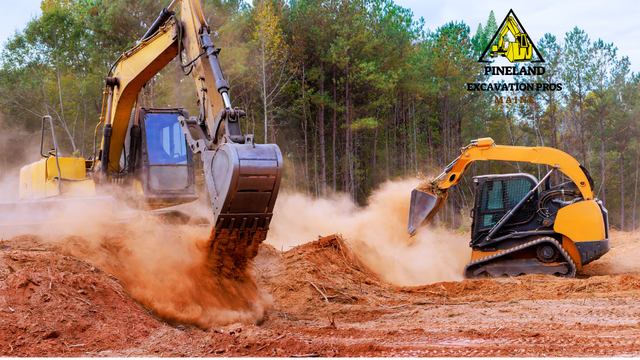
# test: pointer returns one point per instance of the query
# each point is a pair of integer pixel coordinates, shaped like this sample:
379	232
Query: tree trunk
333	145
264	92
323	161
375	151
622	190
304	130
635	191
349	175
602	164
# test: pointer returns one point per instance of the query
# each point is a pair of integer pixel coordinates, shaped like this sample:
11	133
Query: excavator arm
428	199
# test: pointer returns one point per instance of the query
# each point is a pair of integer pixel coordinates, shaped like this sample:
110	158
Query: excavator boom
242	178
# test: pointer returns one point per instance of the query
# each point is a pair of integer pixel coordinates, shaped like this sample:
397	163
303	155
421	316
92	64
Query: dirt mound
325	269
55	305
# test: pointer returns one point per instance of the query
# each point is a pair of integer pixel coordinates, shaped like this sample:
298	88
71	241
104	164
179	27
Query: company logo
519	50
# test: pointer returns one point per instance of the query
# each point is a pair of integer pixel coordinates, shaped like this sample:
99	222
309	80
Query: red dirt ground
325	303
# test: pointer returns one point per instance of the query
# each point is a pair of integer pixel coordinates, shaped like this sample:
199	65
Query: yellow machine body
146	155
39	180
579	222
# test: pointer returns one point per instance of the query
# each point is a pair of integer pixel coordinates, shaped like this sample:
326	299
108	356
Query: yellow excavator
146	156
516	51
522	225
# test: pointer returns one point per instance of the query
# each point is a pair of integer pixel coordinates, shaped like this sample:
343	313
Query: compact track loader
522	225
146	155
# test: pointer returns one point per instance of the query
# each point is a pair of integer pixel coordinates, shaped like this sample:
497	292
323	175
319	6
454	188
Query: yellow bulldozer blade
425	204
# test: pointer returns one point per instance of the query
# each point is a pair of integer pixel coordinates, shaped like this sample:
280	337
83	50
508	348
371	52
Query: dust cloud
170	269
377	233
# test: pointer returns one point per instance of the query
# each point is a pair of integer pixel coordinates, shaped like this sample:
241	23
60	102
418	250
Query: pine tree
490	29
478	42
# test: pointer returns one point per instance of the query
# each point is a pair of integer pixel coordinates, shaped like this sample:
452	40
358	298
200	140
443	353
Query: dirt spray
168	270
377	233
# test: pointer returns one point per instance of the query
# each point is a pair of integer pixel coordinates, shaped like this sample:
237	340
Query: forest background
355	93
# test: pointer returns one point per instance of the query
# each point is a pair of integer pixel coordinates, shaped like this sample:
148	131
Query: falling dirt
177	272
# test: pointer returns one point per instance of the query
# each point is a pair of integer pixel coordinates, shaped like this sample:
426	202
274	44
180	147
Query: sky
614	21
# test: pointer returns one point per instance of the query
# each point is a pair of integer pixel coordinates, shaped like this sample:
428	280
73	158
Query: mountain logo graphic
520	50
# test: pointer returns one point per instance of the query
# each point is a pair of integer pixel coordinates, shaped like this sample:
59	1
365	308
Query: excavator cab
165	173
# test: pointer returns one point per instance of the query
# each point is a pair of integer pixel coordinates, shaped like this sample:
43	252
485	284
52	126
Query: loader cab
166	171
495	196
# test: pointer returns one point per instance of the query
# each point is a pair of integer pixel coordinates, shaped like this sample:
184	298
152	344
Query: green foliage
354	92
490	29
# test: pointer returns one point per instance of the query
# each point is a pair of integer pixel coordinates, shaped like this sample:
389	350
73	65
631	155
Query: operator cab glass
167	152
165	141
497	194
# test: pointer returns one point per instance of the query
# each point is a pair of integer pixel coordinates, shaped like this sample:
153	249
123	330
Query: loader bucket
424	206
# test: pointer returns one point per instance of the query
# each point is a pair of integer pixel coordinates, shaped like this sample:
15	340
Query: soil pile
55	305
326	270
377	233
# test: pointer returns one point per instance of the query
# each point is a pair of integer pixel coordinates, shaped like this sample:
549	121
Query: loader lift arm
486	149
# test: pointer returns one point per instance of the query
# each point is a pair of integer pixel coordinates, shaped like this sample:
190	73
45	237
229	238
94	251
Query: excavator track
497	265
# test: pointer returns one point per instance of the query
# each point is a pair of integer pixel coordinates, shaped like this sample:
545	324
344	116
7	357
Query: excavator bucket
243	182
424	206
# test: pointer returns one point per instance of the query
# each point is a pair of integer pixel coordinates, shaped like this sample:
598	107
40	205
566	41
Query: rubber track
572	271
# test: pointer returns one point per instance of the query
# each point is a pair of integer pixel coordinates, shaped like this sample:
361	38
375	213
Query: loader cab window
168	158
499	194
